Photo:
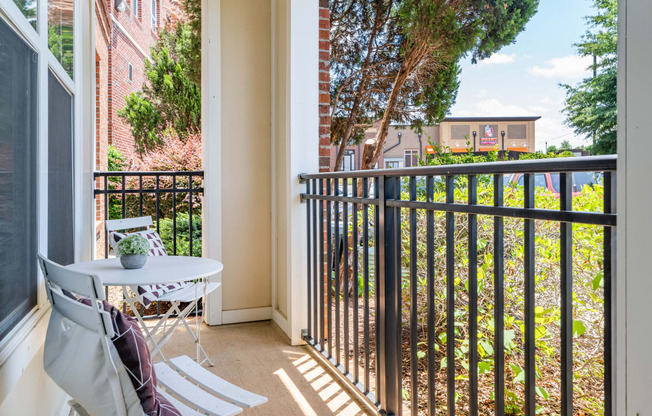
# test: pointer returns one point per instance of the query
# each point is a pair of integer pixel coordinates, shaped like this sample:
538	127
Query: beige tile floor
258	357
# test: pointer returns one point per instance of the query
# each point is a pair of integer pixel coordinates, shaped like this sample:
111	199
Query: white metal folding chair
190	294
91	363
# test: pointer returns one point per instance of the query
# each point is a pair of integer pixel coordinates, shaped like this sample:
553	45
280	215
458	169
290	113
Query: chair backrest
128	223
92	317
123	224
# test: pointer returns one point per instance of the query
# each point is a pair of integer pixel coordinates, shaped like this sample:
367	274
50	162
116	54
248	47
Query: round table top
157	270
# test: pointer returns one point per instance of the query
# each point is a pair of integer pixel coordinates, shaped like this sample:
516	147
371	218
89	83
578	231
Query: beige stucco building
404	145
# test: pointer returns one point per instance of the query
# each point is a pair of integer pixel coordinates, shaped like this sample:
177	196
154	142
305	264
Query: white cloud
498	58
570	66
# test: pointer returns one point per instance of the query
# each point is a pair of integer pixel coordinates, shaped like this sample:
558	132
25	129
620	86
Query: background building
403	146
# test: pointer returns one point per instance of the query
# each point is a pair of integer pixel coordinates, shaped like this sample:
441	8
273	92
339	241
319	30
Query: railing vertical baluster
388	294
158	203
566	277
379	184
106	217
356	284
315	277
174	213
190	223
473	297
450	297
365	248
329	285
337	275
609	278
398	278
345	274
430	292
530	353
413	300
308	258
140	195
499	302
124	197
322	266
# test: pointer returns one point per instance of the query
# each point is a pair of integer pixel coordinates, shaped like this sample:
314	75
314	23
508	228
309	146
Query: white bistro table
157	270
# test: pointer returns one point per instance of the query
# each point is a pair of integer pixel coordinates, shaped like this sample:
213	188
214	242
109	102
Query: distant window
154	14
460	132
134	5
349	160
517	131
130	73
411	158
392	164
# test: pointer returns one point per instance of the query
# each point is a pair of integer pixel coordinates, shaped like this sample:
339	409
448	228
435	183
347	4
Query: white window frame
23	342
410	152
135	8
154	14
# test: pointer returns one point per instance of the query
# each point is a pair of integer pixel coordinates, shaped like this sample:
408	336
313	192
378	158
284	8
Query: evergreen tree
397	60
591	107
171	97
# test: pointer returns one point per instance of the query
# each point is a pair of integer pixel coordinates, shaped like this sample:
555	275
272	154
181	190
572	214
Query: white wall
634	280
297	151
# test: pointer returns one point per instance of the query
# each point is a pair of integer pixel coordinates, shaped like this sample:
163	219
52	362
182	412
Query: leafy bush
166	231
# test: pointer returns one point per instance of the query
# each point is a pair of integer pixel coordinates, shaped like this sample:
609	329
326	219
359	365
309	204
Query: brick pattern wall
324	87
102	45
131	40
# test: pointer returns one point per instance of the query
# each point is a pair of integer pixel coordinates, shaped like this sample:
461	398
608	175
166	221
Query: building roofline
525	118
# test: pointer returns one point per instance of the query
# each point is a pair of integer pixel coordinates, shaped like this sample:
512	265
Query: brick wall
102	45
324	87
131	39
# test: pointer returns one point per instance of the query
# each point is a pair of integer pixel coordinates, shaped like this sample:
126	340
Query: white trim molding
246	315
211	147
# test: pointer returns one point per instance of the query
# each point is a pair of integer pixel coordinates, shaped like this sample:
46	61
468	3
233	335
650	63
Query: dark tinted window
60	180
18	140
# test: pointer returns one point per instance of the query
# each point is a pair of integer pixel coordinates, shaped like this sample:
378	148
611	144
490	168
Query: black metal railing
389	275
172	198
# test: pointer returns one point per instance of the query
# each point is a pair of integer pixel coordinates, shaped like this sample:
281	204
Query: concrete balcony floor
257	356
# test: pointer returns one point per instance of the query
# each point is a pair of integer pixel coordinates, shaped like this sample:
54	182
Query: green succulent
133	244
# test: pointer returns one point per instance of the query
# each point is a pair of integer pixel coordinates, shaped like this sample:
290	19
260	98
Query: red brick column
324	87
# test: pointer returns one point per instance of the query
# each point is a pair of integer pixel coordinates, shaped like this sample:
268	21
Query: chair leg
139	318
195	338
77	408
180	317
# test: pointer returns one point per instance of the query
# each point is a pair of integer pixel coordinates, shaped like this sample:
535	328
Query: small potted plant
133	251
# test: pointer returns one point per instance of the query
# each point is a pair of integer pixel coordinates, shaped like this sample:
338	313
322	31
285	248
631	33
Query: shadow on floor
258	357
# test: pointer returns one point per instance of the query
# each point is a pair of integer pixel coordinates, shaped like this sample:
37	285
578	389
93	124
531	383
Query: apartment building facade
404	146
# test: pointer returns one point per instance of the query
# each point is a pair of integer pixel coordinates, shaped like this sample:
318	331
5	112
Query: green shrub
166	230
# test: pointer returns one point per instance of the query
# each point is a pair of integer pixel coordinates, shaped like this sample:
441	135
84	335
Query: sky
523	78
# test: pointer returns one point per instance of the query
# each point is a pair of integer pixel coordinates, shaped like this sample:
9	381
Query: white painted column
302	149
634	279
212	143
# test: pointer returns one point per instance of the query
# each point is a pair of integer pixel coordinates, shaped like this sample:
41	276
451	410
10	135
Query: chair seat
216	385
191	394
190	292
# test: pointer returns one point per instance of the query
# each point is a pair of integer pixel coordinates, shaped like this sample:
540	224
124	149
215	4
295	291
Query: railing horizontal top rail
568	164
149	173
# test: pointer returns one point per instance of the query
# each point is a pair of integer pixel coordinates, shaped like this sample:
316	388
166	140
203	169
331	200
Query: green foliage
116	162
28	8
133	244
166	231
565	145
171	97
399	60
60	43
591	107
587	296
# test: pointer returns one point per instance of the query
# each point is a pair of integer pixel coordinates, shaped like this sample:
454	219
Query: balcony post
389	294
